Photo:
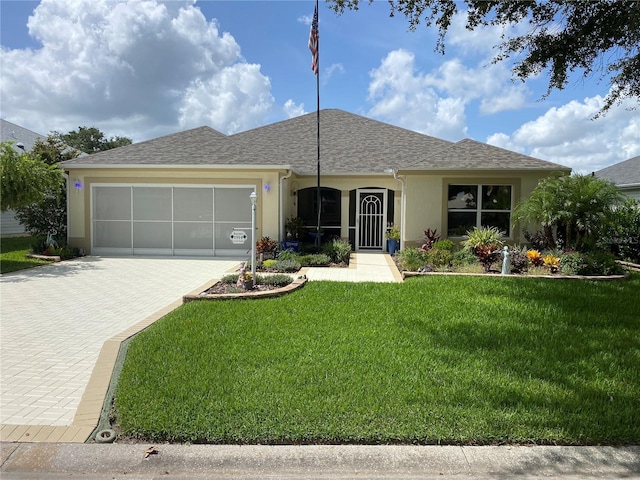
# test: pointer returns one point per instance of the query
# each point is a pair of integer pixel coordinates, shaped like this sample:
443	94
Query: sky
147	68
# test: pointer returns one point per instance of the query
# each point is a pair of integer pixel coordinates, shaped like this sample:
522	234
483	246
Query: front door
371	214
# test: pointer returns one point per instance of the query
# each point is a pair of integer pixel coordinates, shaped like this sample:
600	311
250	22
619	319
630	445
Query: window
469	206
331	202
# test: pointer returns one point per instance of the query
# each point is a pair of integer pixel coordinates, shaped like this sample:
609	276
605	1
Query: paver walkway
55	319
364	267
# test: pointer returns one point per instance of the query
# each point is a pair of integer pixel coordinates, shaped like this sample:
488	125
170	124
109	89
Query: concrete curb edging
600	278
297	283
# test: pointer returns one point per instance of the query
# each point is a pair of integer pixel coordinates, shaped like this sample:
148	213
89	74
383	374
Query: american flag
313	41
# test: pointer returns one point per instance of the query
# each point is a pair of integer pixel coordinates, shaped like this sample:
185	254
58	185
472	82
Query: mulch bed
221	288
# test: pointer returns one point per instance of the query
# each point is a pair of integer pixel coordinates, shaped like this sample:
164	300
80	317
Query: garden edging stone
406	274
297	283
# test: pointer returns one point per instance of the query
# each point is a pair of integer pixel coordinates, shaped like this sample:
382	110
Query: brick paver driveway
55	319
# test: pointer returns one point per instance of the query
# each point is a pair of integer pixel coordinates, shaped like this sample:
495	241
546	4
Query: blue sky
147	68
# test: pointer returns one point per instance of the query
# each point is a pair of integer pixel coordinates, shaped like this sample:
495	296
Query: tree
48	215
542	207
53	150
580	206
91	140
25	178
564	36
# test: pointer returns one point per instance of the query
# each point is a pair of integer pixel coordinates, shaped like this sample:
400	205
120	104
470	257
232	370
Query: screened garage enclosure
170	220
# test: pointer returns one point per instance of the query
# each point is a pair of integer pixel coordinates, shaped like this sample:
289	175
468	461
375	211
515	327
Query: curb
295	285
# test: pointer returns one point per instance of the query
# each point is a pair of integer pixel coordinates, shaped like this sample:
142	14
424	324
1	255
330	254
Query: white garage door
169	219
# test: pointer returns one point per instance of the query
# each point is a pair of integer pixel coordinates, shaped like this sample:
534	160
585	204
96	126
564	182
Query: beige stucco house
188	193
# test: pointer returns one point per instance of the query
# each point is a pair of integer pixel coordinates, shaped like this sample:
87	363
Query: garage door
169	219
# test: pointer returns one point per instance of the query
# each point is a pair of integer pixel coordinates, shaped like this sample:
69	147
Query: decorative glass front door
371	215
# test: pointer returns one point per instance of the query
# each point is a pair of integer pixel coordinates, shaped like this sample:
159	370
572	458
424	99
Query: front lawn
13	254
457	360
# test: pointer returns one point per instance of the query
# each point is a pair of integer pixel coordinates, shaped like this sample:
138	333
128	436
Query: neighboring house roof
10	132
622	173
349	144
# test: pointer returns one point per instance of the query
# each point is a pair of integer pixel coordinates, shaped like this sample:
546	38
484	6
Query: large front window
471	206
330	213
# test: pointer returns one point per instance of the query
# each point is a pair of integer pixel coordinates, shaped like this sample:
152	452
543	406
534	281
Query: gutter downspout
65	175
281	204
401	179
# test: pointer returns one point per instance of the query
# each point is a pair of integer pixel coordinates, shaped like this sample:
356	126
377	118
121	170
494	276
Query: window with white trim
478	205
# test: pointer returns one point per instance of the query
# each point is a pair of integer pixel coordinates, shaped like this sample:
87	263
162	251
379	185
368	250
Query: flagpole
318	140
314	46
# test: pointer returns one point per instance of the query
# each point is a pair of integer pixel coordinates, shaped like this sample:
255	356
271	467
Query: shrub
537	240
430	237
483	236
266	246
269	264
232	278
603	263
338	250
600	263
439	257
519	260
622	236
411	259
463	258
444	245
275	279
288	254
46	217
551	262
535	258
315	260
278	280
487	255
573	263
287	265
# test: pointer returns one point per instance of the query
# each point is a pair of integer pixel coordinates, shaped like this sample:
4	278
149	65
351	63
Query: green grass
13	254
456	360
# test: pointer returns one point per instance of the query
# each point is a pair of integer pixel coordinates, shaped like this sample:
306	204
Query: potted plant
393	239
295	230
245	278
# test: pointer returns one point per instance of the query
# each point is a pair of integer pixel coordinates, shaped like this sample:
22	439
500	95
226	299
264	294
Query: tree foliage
578	207
92	140
588	36
25	178
53	150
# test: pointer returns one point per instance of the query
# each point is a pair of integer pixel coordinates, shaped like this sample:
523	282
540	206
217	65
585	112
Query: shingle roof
349	144
622	173
10	132
474	155
202	145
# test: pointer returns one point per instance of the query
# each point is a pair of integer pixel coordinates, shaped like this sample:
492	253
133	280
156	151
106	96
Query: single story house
23	141
188	193
625	175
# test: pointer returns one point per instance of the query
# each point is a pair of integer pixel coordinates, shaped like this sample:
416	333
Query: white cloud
570	136
292	110
329	71
405	97
156	66
435	102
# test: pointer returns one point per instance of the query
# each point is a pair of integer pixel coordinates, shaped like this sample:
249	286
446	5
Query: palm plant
587	206
582	204
542	207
